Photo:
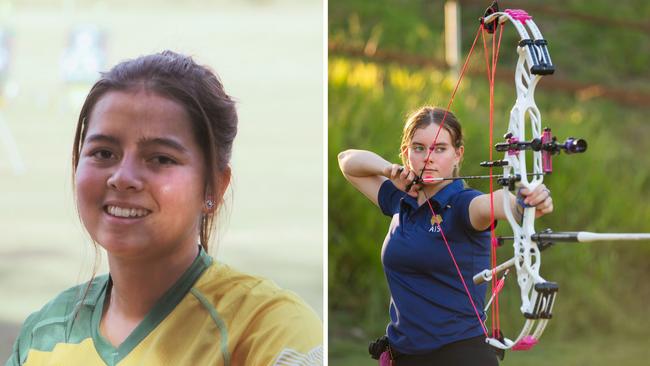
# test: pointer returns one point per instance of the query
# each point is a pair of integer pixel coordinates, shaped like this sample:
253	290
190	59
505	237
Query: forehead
427	135
140	114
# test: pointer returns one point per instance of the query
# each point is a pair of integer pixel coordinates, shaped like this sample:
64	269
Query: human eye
163	160
102	154
440	148
417	148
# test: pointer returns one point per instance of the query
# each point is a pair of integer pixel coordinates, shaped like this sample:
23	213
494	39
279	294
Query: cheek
89	190
181	191
89	185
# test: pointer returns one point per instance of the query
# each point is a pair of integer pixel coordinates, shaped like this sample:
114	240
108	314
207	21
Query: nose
126	176
429	157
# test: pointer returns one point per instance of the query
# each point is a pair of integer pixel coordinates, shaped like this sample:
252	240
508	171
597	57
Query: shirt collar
441	198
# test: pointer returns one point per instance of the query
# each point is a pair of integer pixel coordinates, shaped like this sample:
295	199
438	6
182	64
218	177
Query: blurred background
389	57
269	55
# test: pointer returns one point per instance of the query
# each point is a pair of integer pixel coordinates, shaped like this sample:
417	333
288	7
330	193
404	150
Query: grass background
268	54
599	317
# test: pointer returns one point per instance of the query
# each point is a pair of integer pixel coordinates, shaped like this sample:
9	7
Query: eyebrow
168	142
429	145
144	141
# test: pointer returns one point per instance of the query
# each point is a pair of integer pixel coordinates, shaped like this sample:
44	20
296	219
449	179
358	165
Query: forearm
500	196
539	198
479	209
361	163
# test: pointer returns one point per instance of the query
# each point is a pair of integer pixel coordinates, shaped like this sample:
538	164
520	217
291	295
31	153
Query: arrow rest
510	181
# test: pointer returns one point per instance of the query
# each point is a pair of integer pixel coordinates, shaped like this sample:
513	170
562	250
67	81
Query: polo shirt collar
441	198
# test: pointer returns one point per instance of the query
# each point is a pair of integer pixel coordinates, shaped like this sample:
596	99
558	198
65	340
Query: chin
122	247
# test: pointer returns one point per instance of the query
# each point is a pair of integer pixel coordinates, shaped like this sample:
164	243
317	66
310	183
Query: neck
139	283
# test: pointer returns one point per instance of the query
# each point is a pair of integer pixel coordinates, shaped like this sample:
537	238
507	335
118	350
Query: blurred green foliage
583	51
603	190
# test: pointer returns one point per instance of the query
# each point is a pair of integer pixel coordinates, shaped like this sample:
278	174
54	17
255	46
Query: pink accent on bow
525	343
518	14
384	359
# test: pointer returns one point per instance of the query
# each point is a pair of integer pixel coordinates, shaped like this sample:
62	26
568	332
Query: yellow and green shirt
213	315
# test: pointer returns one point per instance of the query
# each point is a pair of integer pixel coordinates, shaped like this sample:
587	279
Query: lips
428	172
126	212
428	175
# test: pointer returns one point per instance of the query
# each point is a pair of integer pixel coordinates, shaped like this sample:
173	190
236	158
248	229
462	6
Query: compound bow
537	295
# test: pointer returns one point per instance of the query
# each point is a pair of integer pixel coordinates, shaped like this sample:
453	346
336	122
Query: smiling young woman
151	165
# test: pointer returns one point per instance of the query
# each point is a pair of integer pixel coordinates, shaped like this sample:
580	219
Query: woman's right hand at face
402	177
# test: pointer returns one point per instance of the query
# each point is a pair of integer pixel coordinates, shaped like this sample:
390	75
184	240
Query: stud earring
209	204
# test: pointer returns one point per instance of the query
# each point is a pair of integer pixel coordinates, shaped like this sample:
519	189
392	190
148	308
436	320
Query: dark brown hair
177	77
424	117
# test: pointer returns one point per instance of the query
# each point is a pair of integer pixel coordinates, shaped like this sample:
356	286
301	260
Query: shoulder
264	322
461	203
465	196
49	325
225	287
389	198
62	307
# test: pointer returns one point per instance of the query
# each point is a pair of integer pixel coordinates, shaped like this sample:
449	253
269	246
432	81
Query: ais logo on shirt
435	224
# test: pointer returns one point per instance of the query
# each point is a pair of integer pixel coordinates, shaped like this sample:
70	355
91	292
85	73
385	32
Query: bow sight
547	144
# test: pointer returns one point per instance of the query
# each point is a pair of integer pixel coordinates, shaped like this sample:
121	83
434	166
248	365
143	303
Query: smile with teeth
126	212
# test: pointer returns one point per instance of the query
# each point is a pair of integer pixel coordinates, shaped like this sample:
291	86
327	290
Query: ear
222	181
459	154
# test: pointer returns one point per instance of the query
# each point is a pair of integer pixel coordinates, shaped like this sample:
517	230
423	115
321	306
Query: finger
545	207
415	188
534	199
538	199
397	170
412	182
537	196
407	175
526	191
542	212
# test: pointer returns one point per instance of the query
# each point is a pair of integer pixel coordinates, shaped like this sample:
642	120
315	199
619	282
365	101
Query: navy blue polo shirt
429	307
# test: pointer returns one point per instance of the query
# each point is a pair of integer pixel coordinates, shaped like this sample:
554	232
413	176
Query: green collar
156	315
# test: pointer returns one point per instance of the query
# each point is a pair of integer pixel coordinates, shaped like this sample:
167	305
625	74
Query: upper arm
479	208
363	169
288	333
479	212
369	186
22	343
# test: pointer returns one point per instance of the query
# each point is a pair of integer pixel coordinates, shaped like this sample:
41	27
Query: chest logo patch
435	224
436	220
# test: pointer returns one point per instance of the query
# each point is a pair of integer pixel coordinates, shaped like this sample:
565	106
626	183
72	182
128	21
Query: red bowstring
451	100
433	213
491	76
494	242
491	73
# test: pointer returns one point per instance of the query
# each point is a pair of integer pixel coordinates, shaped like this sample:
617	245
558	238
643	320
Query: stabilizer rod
548	237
